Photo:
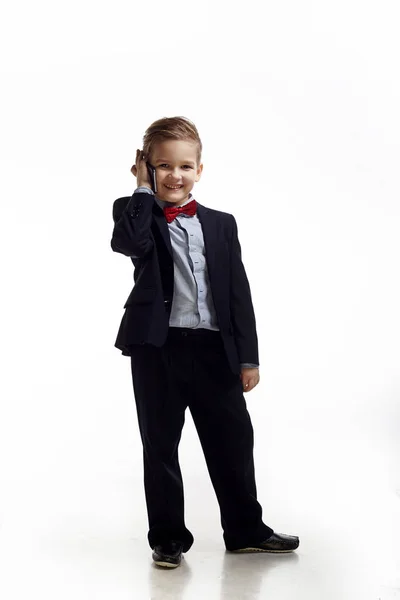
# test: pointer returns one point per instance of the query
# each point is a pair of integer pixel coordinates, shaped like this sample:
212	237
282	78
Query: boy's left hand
250	378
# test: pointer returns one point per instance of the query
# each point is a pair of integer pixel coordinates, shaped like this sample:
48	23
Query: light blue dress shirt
192	303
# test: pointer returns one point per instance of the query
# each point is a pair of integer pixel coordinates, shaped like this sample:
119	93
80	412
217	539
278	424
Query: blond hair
175	128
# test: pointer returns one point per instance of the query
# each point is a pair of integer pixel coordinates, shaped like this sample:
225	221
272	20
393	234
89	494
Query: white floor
73	520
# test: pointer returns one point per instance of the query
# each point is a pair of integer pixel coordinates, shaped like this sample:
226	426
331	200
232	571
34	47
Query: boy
189	329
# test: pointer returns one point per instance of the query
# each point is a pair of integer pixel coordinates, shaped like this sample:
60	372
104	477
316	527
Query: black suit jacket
141	232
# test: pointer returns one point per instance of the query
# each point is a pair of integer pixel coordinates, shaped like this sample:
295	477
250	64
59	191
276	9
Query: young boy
189	329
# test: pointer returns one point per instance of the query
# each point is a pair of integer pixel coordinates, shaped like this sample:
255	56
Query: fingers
139	157
249	384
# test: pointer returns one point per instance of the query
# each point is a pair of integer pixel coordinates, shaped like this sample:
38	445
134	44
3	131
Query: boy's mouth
173	188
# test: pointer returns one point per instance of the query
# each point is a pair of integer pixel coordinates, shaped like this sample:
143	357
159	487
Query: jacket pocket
140	296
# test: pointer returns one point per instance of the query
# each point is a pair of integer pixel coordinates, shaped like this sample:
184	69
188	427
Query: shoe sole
162	563
249	550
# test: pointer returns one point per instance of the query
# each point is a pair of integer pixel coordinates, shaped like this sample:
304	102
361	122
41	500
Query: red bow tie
171	212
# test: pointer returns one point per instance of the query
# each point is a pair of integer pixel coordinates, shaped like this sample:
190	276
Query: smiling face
176	166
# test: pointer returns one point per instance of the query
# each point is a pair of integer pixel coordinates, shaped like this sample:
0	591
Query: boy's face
175	164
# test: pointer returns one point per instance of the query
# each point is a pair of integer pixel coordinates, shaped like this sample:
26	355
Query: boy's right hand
139	170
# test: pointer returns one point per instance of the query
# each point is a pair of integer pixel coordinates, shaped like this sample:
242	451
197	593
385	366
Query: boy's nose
174	179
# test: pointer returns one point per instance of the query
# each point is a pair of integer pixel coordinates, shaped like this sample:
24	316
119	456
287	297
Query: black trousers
191	370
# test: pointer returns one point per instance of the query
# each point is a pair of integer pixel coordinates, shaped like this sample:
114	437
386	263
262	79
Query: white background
297	105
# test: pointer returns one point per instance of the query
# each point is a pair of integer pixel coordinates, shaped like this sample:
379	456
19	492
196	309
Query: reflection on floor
71	531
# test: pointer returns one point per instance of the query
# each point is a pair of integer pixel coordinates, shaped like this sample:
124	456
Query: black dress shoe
168	555
277	542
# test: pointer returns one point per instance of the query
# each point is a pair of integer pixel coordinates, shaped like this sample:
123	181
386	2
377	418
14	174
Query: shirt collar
162	203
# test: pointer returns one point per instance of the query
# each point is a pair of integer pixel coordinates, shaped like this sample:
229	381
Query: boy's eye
165	165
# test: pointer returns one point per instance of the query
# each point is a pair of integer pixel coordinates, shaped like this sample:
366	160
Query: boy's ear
199	172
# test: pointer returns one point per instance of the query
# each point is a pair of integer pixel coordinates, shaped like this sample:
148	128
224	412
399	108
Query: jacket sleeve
241	306
132	220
